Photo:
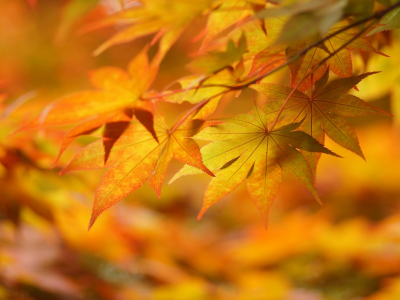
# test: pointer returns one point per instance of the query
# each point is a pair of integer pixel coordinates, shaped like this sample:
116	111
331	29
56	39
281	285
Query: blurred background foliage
145	248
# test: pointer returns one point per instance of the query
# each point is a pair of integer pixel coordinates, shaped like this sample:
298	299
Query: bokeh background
146	248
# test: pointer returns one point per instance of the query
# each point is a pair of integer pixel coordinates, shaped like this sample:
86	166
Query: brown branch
291	59
315	68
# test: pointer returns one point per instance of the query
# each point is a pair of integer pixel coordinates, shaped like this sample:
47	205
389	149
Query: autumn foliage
242	91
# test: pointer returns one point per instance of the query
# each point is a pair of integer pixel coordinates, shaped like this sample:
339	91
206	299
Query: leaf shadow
112	132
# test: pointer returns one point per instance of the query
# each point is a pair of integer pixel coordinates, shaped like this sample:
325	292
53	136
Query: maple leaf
259	34
340	61
389	22
116	97
245	147
323	110
135	156
165	18
227	14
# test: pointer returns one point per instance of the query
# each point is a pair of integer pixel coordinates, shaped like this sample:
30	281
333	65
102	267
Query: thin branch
376	16
314	68
287	100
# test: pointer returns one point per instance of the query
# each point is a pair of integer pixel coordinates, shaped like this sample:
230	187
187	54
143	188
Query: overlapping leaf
225	15
335	50
323	111
245	147
389	21
135	156
115	98
340	62
165	18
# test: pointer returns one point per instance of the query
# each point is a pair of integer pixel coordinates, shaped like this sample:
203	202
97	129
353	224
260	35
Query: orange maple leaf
116	97
134	156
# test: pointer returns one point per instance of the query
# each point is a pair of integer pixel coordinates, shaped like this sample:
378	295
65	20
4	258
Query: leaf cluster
244	41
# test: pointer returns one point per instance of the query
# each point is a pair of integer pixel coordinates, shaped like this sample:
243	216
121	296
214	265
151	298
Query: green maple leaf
389	21
245	147
323	110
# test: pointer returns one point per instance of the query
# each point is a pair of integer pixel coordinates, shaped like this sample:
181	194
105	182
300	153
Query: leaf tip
93	219
318	199
172	180
383	54
100	49
201	213
361	154
205	169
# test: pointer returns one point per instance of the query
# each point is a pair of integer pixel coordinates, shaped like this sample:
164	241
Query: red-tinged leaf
244	143
123	178
322	110
264	62
341	63
304	65
134	156
116	90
